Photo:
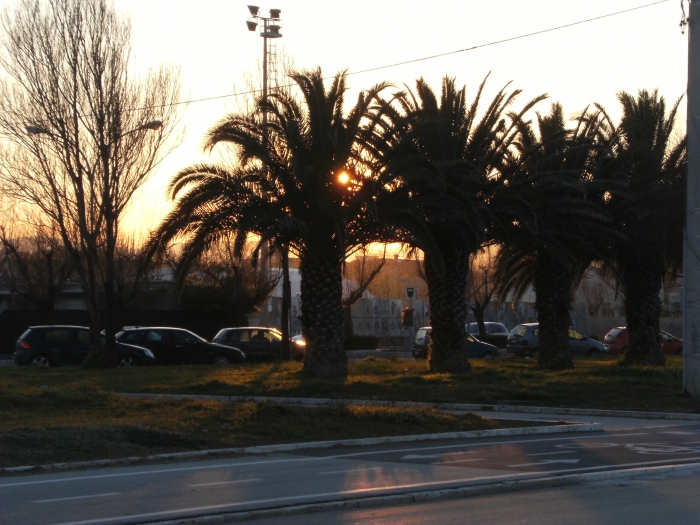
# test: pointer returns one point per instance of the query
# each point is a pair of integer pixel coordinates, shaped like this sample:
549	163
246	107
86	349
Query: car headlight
300	342
148	353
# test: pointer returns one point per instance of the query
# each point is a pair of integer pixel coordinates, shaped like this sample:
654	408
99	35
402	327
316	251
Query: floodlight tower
271	27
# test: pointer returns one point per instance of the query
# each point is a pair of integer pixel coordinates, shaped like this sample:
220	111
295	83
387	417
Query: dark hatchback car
69	345
477	349
176	346
524	341
258	343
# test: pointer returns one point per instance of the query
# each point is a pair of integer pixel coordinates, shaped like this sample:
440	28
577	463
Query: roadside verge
311	401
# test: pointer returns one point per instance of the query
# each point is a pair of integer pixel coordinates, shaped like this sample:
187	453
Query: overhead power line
396	64
448	53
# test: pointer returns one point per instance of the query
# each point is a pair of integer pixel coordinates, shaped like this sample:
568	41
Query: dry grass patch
77	423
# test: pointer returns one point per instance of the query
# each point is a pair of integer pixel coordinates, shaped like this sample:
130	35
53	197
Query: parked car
176	346
69	345
524	341
299	347
258	342
491	328
617	341
477	349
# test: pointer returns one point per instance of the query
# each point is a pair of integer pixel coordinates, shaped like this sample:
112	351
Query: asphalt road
157	492
652	500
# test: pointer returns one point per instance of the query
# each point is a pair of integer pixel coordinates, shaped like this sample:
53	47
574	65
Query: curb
291	447
305	401
537	482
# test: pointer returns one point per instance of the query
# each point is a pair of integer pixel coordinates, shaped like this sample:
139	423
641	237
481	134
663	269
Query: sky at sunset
576	66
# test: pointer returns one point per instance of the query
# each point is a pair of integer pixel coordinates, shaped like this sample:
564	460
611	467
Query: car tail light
24	345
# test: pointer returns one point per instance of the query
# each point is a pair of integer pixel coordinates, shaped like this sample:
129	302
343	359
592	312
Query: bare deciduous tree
595	290
34	267
81	133
480	283
360	274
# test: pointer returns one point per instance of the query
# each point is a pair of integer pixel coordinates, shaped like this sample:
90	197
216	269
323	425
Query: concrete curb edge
538	482
291	447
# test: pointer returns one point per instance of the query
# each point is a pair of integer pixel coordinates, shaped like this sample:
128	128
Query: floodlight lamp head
254	9
154	124
275	14
36	130
252	25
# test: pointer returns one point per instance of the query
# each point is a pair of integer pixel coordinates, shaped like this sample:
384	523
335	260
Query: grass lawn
70	414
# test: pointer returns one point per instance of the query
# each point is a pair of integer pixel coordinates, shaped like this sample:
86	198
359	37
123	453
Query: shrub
95	361
361	342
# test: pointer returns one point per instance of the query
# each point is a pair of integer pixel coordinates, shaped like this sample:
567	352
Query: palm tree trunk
553	288
642	278
449	347
322	315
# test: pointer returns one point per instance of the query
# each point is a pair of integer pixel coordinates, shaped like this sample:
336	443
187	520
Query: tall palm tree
550	239
650	166
302	181
446	156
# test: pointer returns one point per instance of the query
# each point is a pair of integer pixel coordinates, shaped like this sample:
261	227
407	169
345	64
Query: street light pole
691	241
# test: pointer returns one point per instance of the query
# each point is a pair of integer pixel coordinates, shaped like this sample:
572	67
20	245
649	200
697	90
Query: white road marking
553	453
225	482
434	456
118	519
352	470
77	497
459	461
547	462
681	433
304	459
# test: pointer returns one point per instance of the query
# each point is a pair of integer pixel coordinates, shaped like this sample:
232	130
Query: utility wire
448	53
378	68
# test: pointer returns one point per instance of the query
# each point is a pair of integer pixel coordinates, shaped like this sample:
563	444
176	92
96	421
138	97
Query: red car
617	340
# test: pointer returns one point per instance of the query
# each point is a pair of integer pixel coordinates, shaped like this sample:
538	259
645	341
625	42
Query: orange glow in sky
576	66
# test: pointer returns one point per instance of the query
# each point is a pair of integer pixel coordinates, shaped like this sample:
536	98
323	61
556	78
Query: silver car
524	341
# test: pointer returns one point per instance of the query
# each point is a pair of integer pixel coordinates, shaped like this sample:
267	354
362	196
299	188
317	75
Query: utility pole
691	241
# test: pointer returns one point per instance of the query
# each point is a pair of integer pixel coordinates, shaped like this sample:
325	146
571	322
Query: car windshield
518	331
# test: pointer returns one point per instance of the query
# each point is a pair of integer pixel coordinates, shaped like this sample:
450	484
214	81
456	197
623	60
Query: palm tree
445	159
650	166
302	181
549	238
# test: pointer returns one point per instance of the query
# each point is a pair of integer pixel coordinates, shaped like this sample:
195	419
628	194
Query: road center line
351	470
77	497
458	461
306	459
552	453
323	495
225	482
